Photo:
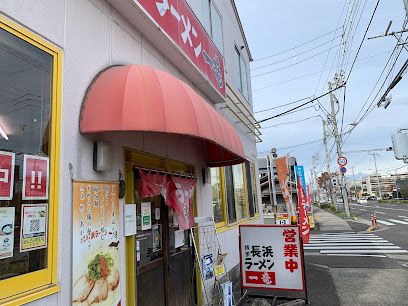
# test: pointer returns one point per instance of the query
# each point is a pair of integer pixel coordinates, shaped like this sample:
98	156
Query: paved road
392	218
361	268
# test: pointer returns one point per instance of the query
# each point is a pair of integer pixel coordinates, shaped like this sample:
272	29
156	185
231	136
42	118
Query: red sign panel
35	177
260	278
178	21
7	161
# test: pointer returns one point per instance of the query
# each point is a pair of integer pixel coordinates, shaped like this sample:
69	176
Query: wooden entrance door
164	256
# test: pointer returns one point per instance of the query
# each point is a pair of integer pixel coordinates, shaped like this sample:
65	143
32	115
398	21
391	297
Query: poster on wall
207	264
35	177
33	231
146	212
6	232
95	239
7	162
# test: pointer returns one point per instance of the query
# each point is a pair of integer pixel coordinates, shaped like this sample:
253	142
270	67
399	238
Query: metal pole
354	183
339	153
327	158
376	173
268	170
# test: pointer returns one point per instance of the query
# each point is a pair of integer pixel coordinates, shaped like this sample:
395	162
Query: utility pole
315	186
354	183
376	173
327	159
338	140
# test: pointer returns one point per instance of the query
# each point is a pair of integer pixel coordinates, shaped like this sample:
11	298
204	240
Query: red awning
136	98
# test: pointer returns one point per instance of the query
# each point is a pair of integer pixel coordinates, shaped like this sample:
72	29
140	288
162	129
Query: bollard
375	219
372	220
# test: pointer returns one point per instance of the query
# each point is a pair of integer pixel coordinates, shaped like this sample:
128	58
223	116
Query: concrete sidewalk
330	222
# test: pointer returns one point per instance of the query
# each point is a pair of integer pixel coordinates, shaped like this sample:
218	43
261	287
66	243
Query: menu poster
6	232
33	232
146	209
95	239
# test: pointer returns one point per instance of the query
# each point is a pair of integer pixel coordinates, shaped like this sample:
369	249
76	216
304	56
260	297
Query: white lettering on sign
5	174
36	183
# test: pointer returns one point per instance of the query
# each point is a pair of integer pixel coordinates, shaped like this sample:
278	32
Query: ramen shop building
121	122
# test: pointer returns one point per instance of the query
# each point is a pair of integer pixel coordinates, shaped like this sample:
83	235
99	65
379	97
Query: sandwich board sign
271	258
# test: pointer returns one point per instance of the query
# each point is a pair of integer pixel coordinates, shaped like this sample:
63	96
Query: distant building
267	193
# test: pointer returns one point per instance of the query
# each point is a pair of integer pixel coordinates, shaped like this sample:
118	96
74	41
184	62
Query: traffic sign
343	170
342	161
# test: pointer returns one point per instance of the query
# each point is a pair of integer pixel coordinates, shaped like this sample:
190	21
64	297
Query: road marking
403	217
380	212
349	244
364	251
398	221
385	222
357	255
362	209
363	248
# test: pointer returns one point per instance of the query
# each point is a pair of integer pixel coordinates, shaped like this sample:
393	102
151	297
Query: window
230	194
216	28
28	151
251	188
241	74
216	192
234	195
239	192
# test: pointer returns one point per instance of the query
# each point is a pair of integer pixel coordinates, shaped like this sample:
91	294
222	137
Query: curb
373	228
295	302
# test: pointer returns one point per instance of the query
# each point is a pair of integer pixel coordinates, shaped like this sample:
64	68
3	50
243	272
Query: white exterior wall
93	36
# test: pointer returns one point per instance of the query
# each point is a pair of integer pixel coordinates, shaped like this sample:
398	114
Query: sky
272	28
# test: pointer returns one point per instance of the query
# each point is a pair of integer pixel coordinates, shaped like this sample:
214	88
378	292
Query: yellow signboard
96	260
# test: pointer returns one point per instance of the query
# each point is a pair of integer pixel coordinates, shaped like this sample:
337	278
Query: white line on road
365	251
356	255
346	238
403	217
385	222
348	244
398	221
347	241
380	212
386	247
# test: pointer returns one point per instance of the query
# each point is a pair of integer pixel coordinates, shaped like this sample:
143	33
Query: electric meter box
400	145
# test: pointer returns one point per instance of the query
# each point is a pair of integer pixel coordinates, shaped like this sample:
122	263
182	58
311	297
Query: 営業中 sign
7	161
271	257
35	177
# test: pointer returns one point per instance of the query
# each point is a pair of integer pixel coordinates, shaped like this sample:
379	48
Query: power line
299	106
294	146
362	41
293	48
296	55
313	73
291	65
279	106
291	122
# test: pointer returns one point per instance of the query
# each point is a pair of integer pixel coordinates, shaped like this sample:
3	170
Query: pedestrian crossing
352	244
391	222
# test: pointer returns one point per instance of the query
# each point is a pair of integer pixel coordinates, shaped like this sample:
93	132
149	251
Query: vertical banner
7	162
304	223
300	171
283	177
95	239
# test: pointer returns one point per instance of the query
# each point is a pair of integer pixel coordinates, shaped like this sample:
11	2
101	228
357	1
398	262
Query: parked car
362	201
372	198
